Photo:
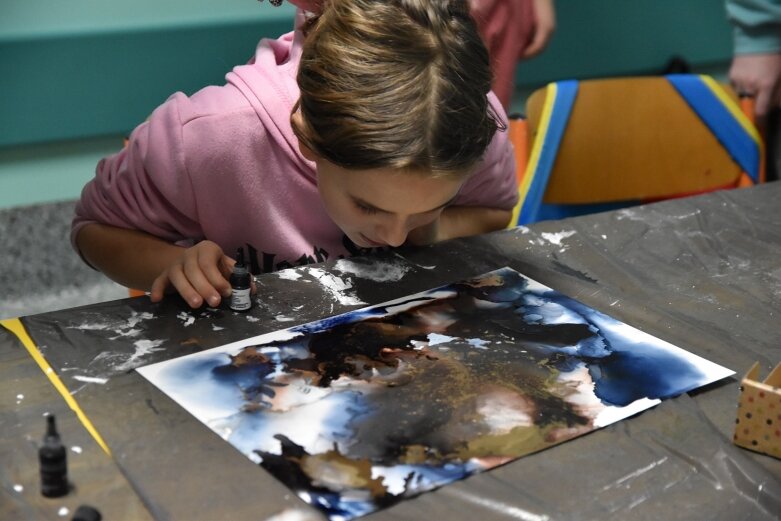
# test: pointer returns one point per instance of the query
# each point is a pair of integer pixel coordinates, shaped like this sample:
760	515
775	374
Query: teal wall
598	38
91	67
76	75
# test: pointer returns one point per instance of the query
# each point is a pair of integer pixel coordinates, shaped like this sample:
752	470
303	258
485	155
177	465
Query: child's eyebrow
361	202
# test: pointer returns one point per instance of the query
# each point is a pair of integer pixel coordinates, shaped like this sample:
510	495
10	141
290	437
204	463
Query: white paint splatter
76	449
62	512
556	238
143	348
19	398
653	218
504	509
86	326
250	318
431	267
186	318
377	271
477	342
628	213
636	473
215	327
336	286
124	327
289	274
283	318
19	488
91	379
436	338
129	332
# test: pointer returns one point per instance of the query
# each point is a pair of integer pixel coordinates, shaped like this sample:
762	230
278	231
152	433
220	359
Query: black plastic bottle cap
86	513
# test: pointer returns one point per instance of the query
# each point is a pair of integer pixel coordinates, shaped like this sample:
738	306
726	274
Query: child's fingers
219	273
545	25
180	281
762	104
198	272
158	288
538	43
535	46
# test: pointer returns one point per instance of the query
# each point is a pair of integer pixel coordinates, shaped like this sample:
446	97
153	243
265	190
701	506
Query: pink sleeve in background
507	27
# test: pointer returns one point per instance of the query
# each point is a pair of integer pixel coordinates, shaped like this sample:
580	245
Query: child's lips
372	243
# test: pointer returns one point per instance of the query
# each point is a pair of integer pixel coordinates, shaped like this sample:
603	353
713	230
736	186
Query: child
369	126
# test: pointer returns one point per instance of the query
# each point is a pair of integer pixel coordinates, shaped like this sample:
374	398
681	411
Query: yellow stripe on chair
525	181
734	109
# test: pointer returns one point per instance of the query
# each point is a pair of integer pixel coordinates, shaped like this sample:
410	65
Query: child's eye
366	209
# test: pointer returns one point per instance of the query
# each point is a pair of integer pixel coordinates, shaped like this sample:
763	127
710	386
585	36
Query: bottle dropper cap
239	268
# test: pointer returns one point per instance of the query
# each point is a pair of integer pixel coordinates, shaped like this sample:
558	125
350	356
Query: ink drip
240	280
53	462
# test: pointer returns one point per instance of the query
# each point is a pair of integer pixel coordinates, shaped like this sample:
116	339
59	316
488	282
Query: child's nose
394	232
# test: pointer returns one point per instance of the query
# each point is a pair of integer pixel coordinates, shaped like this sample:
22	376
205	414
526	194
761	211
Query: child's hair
396	83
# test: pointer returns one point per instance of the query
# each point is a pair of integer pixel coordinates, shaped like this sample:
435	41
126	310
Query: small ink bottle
53	461
240	280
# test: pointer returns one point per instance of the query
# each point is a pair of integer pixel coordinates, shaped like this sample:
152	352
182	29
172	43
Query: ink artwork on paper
357	412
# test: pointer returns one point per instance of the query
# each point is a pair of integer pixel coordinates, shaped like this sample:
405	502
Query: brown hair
396	83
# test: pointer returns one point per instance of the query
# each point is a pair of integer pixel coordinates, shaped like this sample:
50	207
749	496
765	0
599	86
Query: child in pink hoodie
370	125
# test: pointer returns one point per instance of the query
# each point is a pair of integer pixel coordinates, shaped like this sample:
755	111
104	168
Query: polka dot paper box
758	425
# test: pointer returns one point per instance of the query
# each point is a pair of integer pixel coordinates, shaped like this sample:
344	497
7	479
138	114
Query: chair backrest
633	139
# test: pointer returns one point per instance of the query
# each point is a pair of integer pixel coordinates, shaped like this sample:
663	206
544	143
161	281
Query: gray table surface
703	273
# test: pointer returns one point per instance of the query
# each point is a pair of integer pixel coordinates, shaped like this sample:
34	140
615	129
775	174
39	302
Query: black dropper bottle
53	460
241	284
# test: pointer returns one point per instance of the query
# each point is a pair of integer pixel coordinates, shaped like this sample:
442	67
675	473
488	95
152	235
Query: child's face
380	207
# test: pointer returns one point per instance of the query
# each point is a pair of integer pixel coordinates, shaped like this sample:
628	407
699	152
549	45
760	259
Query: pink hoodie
224	165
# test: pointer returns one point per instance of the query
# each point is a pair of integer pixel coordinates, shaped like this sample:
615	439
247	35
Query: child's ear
307	152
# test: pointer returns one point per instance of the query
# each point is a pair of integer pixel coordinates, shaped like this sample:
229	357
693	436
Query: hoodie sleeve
494	184
757	25
146	185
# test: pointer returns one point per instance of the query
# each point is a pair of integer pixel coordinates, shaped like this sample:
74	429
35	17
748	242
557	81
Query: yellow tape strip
14	325
734	109
534	157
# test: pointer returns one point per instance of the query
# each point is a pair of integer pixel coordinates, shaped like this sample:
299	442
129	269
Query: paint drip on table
357	412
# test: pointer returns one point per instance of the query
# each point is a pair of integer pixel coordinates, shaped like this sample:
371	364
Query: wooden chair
600	144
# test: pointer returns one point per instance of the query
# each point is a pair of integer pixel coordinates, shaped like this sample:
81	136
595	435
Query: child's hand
199	274
758	75
545	25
